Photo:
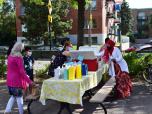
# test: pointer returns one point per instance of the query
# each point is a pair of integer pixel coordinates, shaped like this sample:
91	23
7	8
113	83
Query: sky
140	3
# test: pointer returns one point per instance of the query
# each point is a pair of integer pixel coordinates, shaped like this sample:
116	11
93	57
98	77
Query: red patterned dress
123	82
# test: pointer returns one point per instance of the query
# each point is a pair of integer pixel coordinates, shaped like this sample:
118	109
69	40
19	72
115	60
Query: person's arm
22	70
102	48
33	60
99	54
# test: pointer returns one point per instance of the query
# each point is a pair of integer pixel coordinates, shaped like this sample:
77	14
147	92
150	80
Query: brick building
102	13
104	17
140	21
98	30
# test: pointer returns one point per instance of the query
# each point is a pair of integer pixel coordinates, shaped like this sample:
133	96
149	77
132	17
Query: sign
117	7
50	18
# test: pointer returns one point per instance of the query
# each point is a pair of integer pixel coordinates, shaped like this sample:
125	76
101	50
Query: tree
80	4
7	22
81	9
1	2
125	15
60	25
36	20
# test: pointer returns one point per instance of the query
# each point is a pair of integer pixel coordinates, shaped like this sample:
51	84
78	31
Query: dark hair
27	48
66	43
107	39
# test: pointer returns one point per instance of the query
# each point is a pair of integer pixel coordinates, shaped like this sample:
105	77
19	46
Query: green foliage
42	73
133	60
73	3
80	5
2	66
125	15
36	1
36	20
60	25
148	59
137	62
1	2
131	36
7	22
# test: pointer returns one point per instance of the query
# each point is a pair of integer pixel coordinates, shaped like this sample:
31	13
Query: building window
94	40
141	15
93	5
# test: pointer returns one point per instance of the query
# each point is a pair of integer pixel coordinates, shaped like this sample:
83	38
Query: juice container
71	72
78	72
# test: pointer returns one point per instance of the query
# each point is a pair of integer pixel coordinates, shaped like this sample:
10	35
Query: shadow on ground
139	102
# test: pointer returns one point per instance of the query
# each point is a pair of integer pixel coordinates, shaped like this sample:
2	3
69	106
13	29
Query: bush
148	59
2	66
137	62
42	73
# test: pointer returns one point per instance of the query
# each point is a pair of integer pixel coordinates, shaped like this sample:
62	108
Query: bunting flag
50	7
50	11
50	18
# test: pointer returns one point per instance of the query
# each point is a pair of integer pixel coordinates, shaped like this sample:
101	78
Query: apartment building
140	21
104	21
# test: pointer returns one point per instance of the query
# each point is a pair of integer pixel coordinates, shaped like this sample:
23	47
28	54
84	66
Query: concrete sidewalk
140	102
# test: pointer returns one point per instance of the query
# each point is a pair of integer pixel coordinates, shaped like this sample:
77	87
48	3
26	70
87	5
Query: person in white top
111	53
117	57
117	68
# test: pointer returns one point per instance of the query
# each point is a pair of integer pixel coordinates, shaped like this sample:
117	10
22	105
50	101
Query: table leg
66	106
89	93
105	110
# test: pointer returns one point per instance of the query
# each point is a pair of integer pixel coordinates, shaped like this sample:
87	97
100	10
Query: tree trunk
81	9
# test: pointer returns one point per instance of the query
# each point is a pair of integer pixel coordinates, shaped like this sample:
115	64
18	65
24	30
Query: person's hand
66	53
33	84
114	60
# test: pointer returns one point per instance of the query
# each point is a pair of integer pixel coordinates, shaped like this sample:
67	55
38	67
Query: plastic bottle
57	73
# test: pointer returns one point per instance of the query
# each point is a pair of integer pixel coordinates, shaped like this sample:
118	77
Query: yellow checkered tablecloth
70	91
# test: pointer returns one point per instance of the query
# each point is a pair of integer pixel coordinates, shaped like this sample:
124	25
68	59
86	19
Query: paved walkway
140	102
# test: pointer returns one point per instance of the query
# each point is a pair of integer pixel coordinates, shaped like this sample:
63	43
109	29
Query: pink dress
16	75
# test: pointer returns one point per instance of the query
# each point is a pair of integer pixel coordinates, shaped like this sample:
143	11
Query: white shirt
116	54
